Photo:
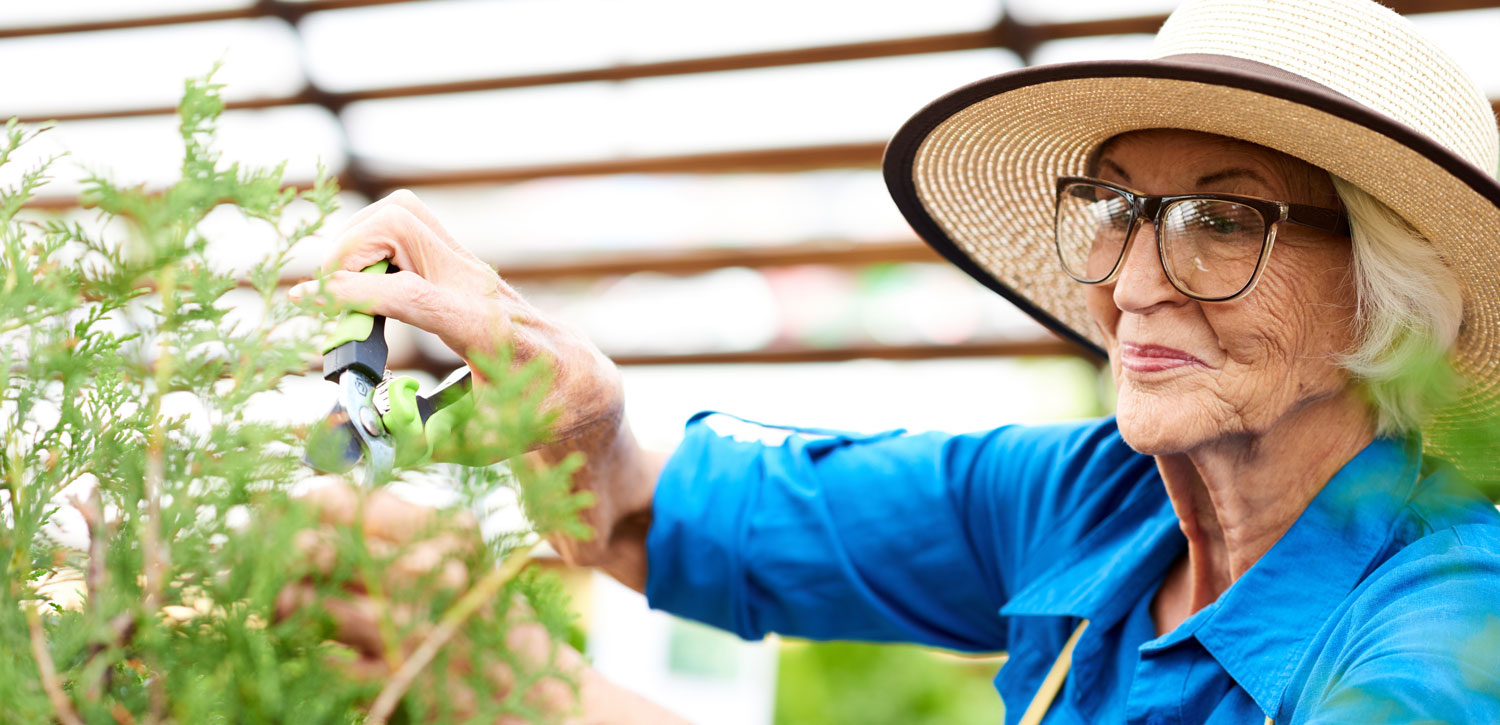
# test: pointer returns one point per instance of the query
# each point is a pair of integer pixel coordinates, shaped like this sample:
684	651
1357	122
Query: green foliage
106	336
835	683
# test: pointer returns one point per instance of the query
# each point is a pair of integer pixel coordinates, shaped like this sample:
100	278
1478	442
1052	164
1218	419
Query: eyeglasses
1213	247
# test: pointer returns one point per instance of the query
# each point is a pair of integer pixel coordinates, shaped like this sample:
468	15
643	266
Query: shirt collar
1258	628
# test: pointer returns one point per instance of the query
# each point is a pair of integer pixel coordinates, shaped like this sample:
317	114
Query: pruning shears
378	417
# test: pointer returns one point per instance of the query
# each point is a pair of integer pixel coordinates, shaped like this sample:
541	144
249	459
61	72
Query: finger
356	618
433	563
360	667
389	232
381	294
389	517
319	548
411	299
406	199
322	549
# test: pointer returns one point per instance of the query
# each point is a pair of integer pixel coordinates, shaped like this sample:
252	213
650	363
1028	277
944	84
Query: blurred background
694	184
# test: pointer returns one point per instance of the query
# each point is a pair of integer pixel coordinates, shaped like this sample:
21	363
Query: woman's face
1189	372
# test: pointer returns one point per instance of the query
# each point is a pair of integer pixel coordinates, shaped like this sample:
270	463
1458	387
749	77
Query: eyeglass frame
1142	205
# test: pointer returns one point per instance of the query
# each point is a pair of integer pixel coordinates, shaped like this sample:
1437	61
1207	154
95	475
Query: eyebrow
1232	173
1116	168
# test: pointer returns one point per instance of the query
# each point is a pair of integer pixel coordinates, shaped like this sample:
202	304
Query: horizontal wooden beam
804	158
695	261
1020	348
49	203
692	261
1038	347
776	160
260	9
743	61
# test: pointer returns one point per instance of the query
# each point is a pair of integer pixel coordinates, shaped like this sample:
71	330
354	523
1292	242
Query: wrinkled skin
1269	354
1246	435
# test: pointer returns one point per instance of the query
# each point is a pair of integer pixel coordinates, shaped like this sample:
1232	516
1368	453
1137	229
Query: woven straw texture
986	175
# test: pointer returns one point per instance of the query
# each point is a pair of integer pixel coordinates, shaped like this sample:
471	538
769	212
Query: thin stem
96	576
482	591
155	557
50	684
96	582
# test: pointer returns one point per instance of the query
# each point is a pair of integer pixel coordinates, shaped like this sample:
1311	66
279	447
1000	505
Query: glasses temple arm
1328	220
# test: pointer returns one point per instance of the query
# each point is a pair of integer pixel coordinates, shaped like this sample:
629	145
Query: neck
1235	497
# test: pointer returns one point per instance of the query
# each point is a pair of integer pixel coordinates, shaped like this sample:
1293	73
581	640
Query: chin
1158	425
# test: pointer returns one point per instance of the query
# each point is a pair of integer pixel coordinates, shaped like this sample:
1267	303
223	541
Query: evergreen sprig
128	365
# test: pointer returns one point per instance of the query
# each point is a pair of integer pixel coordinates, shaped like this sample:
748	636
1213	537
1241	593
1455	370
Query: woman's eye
1115	212
1220	219
1221	225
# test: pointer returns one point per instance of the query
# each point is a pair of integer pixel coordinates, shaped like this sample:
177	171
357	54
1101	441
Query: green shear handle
359	340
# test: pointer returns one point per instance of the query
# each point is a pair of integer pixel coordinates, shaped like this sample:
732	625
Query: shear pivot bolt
371	423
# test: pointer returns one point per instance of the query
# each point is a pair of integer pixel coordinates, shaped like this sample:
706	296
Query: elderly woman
1274	230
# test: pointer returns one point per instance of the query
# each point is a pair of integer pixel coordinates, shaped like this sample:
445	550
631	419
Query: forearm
605	703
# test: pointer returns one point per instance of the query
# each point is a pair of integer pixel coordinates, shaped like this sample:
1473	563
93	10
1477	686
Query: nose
1142	284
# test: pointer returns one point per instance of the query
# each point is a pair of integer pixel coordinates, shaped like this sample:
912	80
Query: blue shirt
1380	604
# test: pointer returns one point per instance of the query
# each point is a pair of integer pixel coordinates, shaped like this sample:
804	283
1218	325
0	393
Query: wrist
604	703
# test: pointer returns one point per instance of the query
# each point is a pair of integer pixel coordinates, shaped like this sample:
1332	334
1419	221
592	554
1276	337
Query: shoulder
1462	559
1421	637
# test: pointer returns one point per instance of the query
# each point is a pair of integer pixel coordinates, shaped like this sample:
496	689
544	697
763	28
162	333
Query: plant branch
482	591
96	576
155	557
53	687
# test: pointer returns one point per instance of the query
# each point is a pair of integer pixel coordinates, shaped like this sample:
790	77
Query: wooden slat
65	203
1026	348
261	9
1042	346
148	21
690	261
744	61
806	158
847	155
694	261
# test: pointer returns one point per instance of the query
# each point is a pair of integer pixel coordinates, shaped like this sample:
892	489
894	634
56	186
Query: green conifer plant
168	613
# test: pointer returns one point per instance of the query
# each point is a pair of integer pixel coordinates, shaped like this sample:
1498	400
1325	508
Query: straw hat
1347	85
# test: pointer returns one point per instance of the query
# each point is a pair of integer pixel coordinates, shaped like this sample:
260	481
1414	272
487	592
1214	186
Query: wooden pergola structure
1019	37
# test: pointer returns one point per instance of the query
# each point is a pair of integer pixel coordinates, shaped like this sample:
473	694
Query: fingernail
297	292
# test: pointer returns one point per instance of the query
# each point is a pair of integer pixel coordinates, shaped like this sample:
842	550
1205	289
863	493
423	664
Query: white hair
1409	308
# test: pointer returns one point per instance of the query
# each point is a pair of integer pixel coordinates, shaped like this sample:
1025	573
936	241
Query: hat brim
974	174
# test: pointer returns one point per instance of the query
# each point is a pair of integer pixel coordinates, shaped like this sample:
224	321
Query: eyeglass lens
1211	247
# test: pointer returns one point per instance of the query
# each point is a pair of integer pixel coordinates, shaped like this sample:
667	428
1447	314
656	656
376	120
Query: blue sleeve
1427	646
885	537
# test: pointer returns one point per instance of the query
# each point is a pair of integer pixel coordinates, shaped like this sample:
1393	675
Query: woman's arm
444	289
622	476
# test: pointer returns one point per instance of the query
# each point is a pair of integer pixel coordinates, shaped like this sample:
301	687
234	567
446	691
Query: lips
1152	358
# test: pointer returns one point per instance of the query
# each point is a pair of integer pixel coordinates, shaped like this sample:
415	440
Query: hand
430	557
444	289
